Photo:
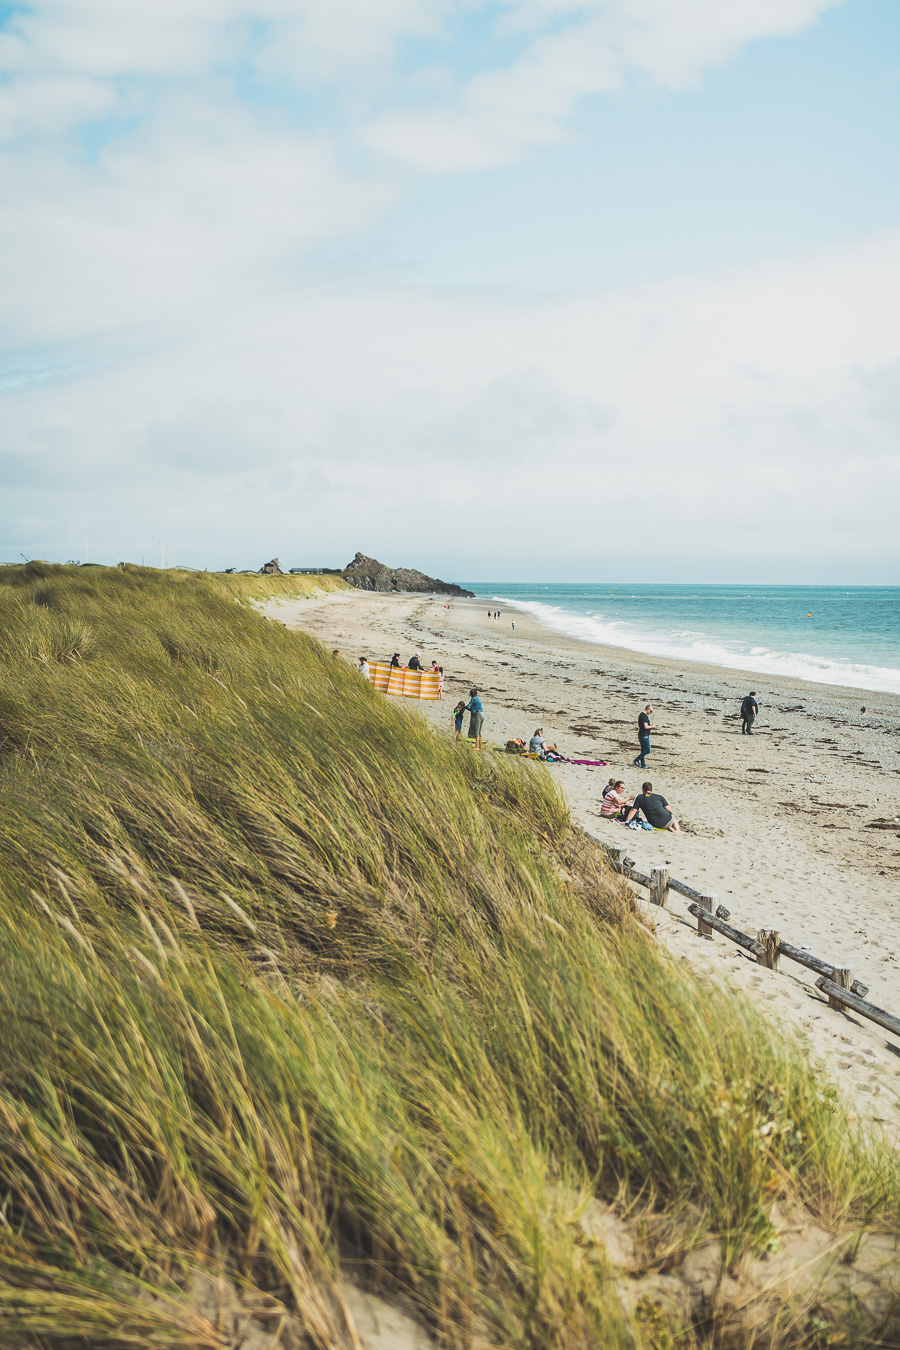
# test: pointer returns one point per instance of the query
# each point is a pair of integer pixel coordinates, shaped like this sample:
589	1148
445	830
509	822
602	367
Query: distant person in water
458	719
645	726
749	712
655	809
475	709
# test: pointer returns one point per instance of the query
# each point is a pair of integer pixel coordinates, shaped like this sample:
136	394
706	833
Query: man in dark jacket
645	726
749	709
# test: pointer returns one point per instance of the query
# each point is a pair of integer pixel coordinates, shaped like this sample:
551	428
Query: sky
501	289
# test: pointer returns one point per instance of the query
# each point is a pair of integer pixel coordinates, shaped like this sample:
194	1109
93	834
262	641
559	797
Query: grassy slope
290	984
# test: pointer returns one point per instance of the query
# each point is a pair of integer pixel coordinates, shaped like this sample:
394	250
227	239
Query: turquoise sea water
844	635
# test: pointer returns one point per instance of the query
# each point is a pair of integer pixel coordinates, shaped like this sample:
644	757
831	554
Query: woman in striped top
614	800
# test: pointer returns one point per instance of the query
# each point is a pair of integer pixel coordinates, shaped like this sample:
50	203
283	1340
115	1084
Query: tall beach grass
296	992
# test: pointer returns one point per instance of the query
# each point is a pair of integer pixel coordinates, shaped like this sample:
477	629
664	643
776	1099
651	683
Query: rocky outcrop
371	575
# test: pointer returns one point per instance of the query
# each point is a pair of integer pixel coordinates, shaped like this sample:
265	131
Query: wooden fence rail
767	947
847	999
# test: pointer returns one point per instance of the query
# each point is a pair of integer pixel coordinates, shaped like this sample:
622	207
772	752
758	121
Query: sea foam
689	645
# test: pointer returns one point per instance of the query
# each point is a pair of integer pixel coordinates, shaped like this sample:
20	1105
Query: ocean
842	635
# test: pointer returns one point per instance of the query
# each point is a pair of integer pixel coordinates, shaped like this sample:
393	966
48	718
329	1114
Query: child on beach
458	719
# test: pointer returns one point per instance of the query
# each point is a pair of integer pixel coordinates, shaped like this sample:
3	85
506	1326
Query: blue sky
517	289
791	145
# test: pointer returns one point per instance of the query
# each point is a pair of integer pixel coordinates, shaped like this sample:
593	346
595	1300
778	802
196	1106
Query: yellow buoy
809	616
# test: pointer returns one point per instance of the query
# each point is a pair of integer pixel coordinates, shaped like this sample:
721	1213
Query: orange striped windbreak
404	683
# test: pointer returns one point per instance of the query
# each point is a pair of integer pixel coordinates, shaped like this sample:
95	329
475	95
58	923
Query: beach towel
591	763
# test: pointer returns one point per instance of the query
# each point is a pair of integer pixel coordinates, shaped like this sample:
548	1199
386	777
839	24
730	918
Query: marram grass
295	990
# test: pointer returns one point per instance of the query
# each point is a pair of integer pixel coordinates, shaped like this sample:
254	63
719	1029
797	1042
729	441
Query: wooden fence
768	947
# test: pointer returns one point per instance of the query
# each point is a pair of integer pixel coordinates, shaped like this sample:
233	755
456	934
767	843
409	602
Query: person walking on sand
475	709
645	726
749	711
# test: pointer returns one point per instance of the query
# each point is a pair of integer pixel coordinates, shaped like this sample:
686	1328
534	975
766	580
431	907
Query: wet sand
779	824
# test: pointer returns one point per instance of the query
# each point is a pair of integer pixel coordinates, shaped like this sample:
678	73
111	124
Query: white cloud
167	168
754	409
500	113
169	226
147	182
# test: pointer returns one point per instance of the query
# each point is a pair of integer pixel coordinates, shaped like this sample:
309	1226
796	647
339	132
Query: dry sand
778	823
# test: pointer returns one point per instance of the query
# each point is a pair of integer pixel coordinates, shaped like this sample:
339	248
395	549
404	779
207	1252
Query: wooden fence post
708	902
617	853
840	975
659	887
770	939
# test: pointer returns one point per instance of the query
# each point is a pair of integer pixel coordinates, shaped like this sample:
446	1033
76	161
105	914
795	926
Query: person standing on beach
749	711
458	719
364	667
475	709
645	726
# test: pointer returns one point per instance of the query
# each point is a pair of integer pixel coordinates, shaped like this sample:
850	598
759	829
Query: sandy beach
778	825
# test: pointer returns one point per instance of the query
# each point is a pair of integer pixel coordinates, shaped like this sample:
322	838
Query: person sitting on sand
364	667
656	810
615	804
458	719
538	746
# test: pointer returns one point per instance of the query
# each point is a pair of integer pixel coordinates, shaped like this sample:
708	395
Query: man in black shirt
749	710
644	728
656	810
